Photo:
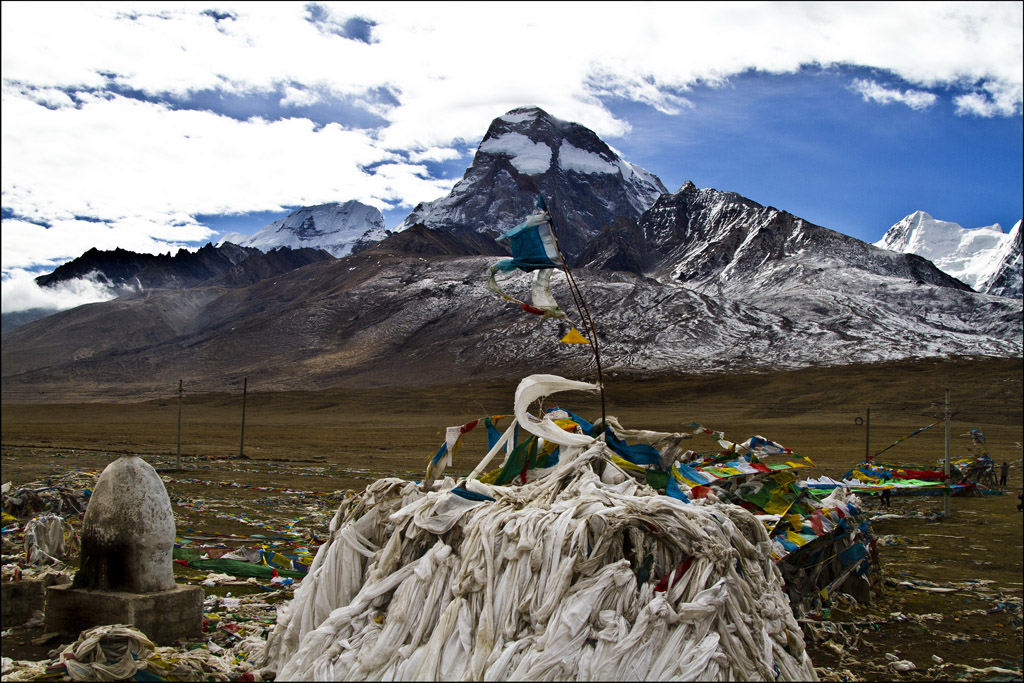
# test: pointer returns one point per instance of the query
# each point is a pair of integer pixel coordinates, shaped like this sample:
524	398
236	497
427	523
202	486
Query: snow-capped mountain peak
972	255
587	185
1007	279
334	227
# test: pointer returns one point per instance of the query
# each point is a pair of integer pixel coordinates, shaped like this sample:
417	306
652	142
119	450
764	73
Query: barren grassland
301	447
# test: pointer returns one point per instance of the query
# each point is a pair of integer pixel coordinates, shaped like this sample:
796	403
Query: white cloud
996	99
873	92
299	97
400	181
452	65
434	154
28	245
20	292
136	163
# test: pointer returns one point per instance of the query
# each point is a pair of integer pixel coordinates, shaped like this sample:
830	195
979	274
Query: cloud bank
21	293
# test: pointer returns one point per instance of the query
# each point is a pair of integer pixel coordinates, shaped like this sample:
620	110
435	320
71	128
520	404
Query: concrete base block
164	617
20	600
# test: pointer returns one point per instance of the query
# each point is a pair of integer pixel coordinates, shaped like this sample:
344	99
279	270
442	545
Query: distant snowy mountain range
694	280
985	258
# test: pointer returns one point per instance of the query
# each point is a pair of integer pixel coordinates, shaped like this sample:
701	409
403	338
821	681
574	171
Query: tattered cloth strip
566	577
49	539
533	248
107	653
120	653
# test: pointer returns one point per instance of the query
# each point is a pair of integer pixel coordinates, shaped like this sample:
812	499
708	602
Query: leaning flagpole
581	308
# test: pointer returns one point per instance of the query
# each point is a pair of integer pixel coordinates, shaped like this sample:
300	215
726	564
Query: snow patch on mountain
972	255
337	228
648	185
571	158
529	157
233	237
519	116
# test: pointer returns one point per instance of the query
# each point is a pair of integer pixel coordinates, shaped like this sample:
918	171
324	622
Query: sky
157	126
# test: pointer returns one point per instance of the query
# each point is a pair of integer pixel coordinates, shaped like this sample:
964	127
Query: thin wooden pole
241	445
584	313
179	424
948	492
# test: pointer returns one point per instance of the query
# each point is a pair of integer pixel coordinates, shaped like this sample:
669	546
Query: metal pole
241	445
179	424
948	492
867	437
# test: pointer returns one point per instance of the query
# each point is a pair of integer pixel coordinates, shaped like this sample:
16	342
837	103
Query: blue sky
808	144
156	126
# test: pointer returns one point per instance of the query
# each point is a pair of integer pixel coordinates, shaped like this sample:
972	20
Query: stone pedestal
164	616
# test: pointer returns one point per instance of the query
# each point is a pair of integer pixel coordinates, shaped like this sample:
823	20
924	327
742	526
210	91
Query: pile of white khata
582	573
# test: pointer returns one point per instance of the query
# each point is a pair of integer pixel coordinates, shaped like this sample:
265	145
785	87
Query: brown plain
387	432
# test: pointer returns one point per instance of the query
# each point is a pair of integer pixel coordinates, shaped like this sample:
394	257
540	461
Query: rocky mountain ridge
1007	279
384	318
126	271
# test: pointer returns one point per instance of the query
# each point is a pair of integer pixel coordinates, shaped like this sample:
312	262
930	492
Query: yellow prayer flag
796	538
574	337
627	465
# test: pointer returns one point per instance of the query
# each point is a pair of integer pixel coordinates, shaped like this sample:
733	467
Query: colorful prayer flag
574	337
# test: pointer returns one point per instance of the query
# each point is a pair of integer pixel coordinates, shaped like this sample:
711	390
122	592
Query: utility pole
241	445
948	491
179	424
867	437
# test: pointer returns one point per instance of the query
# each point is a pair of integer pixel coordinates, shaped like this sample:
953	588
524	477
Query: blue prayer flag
639	454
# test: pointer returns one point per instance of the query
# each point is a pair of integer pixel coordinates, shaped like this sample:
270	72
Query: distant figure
886	496
1004	469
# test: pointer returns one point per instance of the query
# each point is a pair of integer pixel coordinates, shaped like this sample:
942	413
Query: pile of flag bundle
575	569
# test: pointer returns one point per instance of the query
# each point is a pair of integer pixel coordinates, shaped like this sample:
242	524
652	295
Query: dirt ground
953	586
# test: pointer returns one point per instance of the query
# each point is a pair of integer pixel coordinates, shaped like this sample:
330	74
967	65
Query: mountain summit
972	255
337	228
527	152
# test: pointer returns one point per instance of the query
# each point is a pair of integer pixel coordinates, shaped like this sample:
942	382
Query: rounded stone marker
128	531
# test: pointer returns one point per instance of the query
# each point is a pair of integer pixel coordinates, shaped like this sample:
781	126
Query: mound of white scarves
567	577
